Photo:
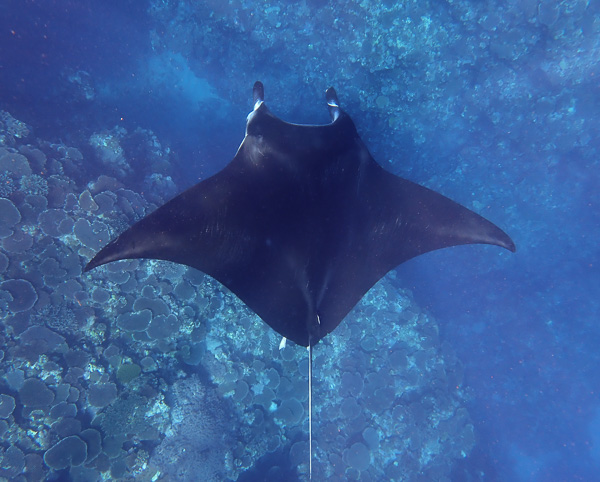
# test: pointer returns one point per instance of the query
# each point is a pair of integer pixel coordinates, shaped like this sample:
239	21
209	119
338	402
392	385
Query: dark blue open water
465	364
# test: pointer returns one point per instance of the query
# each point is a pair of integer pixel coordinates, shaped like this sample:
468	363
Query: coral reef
108	148
11	129
69	452
197	445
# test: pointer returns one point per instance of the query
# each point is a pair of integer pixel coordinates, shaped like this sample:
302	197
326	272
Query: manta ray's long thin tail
310	410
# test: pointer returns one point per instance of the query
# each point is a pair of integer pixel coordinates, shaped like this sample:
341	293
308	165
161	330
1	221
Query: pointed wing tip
505	241
104	256
91	265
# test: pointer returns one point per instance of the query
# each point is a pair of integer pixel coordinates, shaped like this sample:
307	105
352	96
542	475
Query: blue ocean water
464	364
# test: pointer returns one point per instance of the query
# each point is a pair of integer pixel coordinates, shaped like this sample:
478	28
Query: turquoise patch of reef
147	369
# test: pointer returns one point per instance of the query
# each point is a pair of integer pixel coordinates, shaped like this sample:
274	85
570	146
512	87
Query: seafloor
143	370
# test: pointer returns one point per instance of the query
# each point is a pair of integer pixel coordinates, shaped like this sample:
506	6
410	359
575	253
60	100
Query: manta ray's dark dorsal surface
301	223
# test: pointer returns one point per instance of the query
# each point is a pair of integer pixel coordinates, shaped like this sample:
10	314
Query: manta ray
301	224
